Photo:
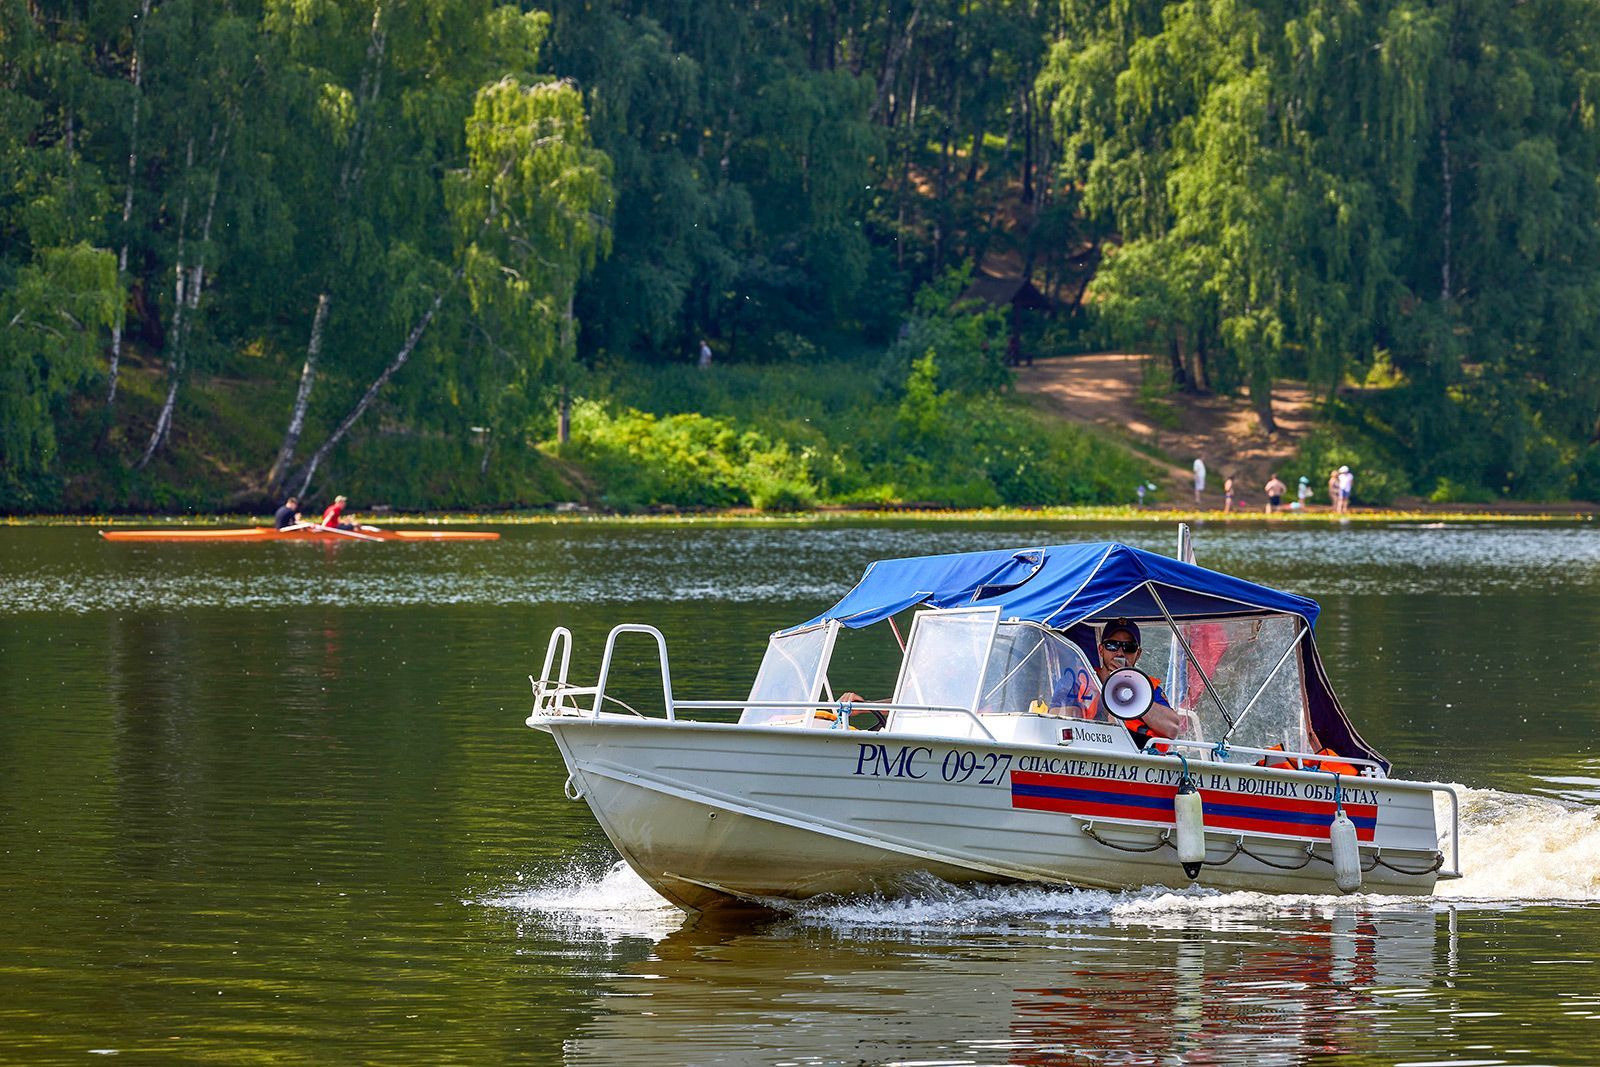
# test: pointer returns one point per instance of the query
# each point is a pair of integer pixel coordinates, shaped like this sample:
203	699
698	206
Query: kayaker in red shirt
334	515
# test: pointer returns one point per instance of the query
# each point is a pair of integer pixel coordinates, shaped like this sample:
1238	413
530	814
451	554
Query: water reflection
1030	975
1202	987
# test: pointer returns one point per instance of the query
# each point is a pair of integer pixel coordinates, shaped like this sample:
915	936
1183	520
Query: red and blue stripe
1100	798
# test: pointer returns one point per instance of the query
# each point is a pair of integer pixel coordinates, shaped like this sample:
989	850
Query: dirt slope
1102	390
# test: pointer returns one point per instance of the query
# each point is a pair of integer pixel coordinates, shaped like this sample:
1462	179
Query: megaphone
1127	693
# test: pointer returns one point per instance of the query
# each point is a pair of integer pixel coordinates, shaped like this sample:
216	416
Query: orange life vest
1330	766
1285	764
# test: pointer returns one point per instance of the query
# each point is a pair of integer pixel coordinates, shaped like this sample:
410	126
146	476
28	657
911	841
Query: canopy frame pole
898	639
1205	680
1273	673
1178	682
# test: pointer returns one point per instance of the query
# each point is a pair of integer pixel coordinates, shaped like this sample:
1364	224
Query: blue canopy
1062	585
1059	585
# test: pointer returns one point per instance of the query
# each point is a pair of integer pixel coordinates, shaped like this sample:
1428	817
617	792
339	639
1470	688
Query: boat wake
1524	849
1518	851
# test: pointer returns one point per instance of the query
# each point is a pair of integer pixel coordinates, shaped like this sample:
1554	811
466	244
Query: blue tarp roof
1059	585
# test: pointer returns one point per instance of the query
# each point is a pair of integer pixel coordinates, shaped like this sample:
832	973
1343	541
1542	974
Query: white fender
1346	853
1189	815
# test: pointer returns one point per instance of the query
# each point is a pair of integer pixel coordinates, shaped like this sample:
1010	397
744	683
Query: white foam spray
1523	849
611	901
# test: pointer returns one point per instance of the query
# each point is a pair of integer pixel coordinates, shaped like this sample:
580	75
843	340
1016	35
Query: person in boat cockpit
1119	648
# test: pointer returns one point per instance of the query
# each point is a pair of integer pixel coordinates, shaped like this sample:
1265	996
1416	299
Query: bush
1449	491
1586	474
413	471
985	450
685	460
939	448
967	339
1036	460
781	437
1485	441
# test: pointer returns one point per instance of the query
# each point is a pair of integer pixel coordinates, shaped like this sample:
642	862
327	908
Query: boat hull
267	533
711	814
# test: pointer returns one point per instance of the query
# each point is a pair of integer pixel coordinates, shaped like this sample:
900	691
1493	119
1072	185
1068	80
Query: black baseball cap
1121	624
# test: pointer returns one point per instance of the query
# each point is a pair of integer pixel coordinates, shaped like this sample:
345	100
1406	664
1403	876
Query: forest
465	254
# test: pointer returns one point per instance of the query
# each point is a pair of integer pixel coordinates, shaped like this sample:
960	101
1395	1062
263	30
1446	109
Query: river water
276	803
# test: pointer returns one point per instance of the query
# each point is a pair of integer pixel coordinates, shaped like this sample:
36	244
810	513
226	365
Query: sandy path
1102	390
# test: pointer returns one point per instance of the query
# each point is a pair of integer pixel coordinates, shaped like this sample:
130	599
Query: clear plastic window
1238	655
1031	667
945	658
791	672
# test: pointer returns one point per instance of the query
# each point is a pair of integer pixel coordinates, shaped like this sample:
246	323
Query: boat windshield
1027	665
945	657
1030	665
791	672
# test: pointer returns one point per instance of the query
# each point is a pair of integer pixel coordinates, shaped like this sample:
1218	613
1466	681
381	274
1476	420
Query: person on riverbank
1275	490
288	515
334	516
1303	493
1347	485
705	355
1227	495
1199	479
1333	490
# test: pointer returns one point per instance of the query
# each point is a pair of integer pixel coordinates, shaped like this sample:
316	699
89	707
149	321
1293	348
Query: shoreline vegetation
656	254
1574	511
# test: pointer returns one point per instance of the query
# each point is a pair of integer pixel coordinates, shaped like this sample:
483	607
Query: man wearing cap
335	513
1347	483
1119	648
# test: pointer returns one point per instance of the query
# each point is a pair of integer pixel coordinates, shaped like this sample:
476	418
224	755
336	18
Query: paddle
292	527
343	533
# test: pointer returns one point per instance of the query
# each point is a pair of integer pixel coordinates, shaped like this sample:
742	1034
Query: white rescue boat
1002	754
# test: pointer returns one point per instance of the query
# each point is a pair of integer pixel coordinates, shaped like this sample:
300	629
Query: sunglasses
1120	646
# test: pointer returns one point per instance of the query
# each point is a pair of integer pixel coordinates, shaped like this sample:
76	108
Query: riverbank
1413	513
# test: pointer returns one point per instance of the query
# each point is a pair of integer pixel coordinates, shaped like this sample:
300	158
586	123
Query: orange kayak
304	533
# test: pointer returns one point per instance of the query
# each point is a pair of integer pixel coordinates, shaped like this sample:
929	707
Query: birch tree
362	105
53	315
531	213
59	292
135	106
202	85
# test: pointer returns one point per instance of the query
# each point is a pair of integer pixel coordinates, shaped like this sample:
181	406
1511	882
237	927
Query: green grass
835	515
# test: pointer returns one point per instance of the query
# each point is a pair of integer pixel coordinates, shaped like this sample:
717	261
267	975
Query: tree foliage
452	214
1310	190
